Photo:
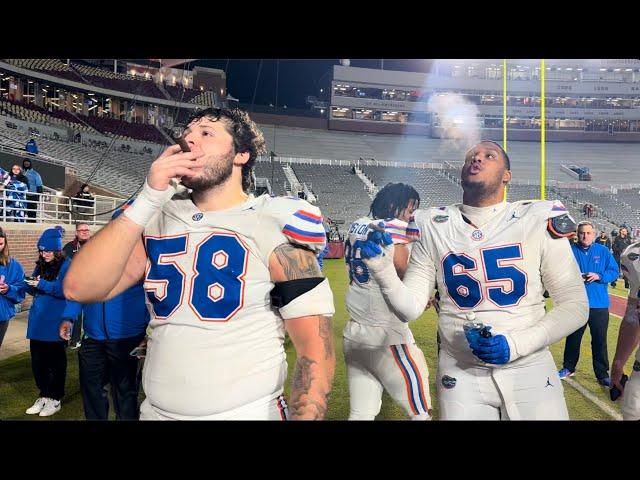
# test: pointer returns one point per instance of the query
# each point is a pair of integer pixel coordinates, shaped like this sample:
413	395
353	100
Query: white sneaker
37	406
50	407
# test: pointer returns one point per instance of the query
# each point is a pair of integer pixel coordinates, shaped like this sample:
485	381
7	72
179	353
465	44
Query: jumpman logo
548	383
513	215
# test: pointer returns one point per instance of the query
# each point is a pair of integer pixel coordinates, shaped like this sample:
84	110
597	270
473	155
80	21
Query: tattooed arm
312	338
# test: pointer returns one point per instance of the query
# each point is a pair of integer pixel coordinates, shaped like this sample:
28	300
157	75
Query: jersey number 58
217	277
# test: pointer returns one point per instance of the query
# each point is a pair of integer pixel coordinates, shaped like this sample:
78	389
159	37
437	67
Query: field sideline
18	391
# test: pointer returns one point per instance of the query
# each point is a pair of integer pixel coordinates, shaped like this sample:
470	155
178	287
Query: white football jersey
216	341
375	324
493	269
630	265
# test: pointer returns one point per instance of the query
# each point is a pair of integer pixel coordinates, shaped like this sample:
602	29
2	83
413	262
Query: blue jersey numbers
499	265
216	286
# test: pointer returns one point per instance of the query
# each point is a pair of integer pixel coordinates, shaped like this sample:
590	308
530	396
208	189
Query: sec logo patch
477	235
197	217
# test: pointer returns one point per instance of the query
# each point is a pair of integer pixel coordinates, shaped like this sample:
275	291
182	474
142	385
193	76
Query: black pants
598	324
3	330
32	206
76	331
108	361
49	366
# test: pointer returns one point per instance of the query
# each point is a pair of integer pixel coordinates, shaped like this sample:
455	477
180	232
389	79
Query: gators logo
449	382
440	218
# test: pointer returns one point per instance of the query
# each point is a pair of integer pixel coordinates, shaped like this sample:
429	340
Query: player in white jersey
629	336
226	274
379	349
494	260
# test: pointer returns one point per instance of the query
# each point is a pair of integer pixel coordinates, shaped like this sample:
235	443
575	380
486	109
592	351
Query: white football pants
529	391
401	370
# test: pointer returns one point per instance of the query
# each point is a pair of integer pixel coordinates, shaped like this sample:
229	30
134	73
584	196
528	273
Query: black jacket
619	244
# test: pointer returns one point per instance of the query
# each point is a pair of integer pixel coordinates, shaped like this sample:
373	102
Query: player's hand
617	369
65	330
174	163
4	288
33	283
592	277
374	244
433	302
494	349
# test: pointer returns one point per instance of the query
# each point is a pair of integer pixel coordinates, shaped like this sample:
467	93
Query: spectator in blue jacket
48	356
31	146
598	268
15	193
112	329
35	187
11	285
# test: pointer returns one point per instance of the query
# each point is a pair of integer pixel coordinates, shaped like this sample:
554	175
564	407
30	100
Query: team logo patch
476	235
197	217
449	382
440	218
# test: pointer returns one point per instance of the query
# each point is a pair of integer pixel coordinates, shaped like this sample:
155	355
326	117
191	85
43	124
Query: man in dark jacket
82	235
620	243
603	239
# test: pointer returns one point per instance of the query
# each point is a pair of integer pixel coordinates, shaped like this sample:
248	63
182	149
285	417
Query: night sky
296	78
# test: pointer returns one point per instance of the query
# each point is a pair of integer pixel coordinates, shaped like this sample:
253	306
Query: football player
629	337
225	274
492	261
379	349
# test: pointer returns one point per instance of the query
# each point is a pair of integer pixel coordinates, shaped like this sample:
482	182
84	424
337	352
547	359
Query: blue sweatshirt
123	316
14	277
48	305
597	259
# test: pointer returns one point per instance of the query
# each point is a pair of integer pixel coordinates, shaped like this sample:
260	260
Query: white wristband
148	202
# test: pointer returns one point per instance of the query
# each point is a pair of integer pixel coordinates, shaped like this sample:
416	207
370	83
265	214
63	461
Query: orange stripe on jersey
417	371
407	381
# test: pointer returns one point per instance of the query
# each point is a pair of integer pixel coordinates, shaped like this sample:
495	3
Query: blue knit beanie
50	240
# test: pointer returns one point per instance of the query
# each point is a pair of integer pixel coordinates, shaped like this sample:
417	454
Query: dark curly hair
247	137
49	270
392	199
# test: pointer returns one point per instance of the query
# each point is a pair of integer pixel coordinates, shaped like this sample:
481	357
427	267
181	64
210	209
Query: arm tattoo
326	334
302	379
297	262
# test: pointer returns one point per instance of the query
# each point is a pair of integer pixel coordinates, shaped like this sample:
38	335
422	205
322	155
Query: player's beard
480	189
217	171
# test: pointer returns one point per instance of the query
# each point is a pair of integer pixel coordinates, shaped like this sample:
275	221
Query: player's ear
241	158
506	176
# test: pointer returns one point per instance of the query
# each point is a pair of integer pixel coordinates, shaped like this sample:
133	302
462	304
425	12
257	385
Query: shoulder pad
561	226
397	229
299	221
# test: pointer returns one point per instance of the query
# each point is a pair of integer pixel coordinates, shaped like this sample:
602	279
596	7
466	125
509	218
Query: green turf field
18	391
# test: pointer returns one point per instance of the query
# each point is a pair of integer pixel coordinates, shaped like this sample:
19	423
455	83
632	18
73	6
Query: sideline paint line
595	400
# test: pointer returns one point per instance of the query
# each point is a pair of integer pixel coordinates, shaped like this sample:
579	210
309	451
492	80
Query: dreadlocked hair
392	200
247	137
